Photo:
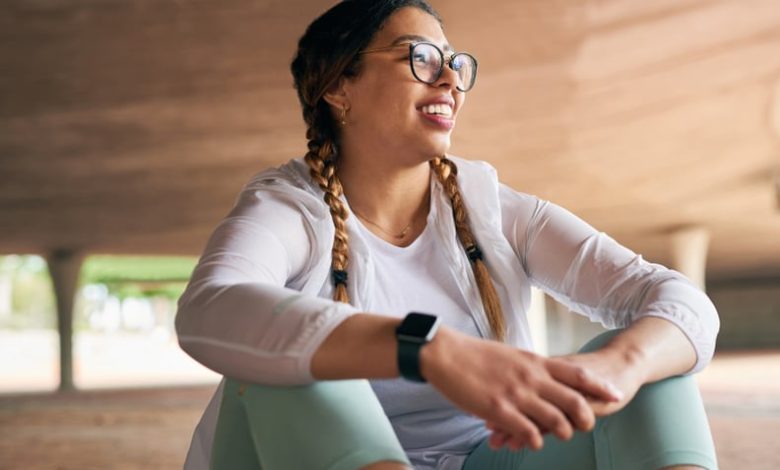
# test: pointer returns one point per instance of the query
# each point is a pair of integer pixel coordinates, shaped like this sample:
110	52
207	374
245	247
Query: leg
683	467
327	425
233	446
664	426
578	453
387	465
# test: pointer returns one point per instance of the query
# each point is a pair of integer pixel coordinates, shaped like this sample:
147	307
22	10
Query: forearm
362	346
656	347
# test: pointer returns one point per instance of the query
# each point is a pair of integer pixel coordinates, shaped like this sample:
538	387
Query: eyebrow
417	38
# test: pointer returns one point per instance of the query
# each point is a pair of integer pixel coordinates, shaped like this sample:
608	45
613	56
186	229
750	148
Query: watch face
418	327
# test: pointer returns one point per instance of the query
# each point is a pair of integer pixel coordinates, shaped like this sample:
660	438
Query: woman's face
389	108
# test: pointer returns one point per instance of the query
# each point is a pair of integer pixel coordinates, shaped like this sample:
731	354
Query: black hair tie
339	277
474	253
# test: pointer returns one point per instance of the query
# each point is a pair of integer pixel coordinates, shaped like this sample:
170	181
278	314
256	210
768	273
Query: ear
337	95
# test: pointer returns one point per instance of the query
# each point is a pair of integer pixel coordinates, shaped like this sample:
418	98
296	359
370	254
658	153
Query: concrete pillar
64	268
537	320
689	252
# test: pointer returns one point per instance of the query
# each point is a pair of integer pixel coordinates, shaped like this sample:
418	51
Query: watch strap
409	360
414	332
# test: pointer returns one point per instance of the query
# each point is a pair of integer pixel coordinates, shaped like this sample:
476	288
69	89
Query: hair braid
322	168
328	50
447	173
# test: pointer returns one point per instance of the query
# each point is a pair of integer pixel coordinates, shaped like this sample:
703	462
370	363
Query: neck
386	193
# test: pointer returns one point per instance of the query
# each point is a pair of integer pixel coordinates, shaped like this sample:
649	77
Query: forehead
410	24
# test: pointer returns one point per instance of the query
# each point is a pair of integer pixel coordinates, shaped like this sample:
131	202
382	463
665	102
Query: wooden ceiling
130	126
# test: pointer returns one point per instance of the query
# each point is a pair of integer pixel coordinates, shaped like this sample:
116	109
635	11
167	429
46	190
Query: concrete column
689	252
537	320
64	268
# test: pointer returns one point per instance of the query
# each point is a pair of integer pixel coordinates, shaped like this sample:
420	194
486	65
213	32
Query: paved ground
150	428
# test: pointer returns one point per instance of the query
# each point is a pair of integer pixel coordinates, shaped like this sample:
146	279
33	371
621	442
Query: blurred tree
31	298
132	276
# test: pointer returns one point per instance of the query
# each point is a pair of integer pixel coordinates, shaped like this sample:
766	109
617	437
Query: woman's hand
617	367
517	392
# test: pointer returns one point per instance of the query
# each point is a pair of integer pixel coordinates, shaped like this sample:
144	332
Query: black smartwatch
414	332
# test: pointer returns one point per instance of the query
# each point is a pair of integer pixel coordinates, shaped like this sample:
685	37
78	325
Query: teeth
438	109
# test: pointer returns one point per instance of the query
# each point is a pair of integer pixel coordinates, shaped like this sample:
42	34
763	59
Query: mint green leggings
340	425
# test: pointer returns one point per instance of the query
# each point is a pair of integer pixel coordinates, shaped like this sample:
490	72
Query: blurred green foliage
112	269
25	284
139	276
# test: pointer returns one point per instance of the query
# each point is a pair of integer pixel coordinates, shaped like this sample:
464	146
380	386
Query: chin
441	150
437	147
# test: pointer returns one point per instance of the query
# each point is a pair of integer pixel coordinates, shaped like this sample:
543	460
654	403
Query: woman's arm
236	317
654	346
362	346
595	276
523	393
669	325
650	349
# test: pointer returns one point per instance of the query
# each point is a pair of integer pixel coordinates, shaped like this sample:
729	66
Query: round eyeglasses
427	63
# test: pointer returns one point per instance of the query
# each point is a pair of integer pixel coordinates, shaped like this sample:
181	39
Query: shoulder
284	200
287	185
292	175
280	203
480	176
469	168
513	198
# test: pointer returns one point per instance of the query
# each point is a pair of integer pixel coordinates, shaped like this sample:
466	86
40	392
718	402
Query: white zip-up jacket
258	304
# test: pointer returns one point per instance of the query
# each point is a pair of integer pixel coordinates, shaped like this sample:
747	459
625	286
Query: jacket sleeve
593	275
236	316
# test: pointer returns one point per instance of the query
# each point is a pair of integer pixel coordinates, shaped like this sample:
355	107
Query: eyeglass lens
427	59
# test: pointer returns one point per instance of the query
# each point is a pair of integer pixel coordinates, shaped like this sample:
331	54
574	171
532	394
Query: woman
379	219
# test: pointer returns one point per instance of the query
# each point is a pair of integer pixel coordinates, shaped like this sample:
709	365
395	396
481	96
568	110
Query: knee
599	341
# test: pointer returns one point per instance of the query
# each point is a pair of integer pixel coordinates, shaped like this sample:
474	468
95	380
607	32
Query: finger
491	426
542	430
497	440
515	443
500	434
572	403
516	424
547	416
582	379
602	408
500	438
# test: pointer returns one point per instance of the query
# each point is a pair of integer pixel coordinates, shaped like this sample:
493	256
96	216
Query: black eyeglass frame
444	60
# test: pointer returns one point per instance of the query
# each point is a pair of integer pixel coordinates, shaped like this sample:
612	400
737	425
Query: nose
449	78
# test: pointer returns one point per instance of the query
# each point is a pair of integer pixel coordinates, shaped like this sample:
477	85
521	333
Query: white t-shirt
434	433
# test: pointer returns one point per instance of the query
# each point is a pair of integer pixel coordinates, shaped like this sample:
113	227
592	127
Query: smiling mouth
443	110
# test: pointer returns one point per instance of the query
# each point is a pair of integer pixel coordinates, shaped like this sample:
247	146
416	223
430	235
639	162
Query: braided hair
328	50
